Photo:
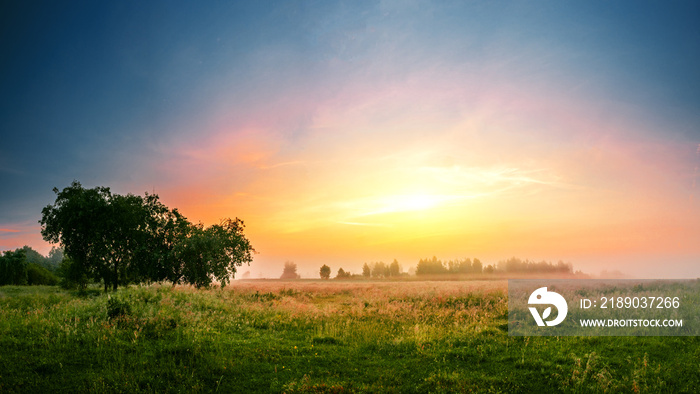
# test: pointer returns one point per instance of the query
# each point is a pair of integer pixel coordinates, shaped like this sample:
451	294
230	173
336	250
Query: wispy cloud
364	224
287	163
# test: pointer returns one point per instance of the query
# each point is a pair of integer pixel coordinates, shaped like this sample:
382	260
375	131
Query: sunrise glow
345	134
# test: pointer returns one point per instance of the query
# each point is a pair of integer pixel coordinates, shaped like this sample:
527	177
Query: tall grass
276	336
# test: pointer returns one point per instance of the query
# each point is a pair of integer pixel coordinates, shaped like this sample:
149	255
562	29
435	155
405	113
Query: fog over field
345	133
307	196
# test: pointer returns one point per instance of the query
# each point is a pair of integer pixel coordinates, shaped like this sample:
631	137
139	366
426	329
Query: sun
414	202
404	203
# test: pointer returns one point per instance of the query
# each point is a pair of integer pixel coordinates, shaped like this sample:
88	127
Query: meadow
313	337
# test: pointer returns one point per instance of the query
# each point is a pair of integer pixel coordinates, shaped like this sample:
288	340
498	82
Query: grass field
313	336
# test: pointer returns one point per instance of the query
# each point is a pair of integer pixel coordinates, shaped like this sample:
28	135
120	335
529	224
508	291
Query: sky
351	132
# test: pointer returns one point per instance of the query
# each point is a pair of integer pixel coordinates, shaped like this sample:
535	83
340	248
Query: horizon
345	134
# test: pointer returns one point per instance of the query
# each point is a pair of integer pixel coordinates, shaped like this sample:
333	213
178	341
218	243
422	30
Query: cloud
365	224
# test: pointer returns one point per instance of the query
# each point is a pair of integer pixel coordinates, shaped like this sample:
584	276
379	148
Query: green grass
314	337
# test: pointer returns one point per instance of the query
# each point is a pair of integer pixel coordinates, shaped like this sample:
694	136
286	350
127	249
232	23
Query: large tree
163	254
76	220
123	236
121	239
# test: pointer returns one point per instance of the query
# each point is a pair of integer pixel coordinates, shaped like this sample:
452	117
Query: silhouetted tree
290	271
343	274
476	266
394	268
366	272
214	253
122	239
325	272
430	267
516	265
380	270
77	221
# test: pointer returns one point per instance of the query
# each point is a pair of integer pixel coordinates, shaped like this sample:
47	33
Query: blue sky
157	96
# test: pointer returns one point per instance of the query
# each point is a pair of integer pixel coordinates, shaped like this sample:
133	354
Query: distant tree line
120	239
382	270
438	267
433	266
516	265
26	266
342	274
373	270
467	266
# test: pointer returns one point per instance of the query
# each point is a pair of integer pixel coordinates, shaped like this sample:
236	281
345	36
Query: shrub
38	275
117	307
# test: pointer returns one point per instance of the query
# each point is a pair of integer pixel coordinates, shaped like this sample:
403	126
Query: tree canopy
290	271
325	272
121	239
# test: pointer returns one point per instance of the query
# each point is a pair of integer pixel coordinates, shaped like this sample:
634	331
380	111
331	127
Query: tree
53	260
77	221
379	270
13	267
99	230
120	239
343	274
32	256
123	235
164	254
72	275
394	268
228	249
366	272
459	266
24	266
290	270
430	267
325	272
477	266
193	254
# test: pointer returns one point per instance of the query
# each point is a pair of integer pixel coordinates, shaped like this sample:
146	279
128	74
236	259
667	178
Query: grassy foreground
316	337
